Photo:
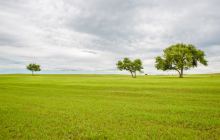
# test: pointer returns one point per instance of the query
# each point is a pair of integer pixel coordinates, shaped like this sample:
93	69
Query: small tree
33	67
180	57
131	66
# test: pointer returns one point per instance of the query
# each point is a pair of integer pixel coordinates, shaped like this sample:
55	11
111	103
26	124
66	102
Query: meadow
109	107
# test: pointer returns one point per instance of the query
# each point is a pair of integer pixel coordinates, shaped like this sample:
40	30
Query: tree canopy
131	66
180	57
33	67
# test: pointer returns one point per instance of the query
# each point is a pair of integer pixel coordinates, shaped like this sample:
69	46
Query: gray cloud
93	35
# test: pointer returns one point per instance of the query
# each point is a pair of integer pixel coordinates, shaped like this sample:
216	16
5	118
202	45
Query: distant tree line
178	57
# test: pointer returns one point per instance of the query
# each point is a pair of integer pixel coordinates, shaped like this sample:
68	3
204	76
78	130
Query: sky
90	36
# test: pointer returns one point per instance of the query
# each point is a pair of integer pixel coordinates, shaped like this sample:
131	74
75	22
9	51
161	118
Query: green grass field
109	107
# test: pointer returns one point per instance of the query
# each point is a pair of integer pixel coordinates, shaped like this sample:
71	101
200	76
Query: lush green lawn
109	107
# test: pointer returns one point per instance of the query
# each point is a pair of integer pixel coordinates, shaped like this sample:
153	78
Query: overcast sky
91	35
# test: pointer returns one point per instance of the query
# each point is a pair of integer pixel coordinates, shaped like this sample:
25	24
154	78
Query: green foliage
180	57
131	66
112	107
33	67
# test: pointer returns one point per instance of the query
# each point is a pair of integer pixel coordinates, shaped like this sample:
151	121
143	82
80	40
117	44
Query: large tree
180	57
131	66
33	67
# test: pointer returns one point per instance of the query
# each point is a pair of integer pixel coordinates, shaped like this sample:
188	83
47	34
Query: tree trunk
132	74
181	73
135	74
32	73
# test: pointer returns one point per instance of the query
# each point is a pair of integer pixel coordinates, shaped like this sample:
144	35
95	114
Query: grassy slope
109	107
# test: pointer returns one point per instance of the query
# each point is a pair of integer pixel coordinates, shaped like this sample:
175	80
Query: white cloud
93	35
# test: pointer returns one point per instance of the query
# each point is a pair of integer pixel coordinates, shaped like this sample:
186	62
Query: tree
33	67
180	57
131	66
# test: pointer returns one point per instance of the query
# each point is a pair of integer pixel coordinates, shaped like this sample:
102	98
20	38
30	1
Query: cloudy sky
91	35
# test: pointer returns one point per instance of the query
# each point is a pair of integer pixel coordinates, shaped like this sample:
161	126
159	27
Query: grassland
109	107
